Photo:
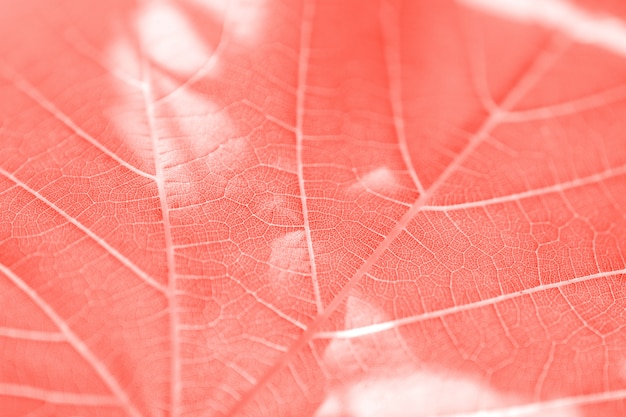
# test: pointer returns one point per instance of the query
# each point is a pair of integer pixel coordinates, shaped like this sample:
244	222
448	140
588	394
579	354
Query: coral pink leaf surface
325	208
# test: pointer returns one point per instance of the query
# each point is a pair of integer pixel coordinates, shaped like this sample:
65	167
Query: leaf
312	208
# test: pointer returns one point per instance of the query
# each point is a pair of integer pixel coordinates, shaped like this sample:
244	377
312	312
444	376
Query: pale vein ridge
547	366
574	106
34	94
389	25
305	41
392	324
57	397
540	65
261	302
269	117
100	241
175	393
276	310
81	348
556	188
31	335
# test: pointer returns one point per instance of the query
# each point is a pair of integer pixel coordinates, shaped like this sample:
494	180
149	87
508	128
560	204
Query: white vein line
305	41
274	309
269	306
34	94
268	117
81	348
32	335
242	372
110	249
392	324
391	38
593	101
57	397
544	371
265	342
544	61
540	407
579	182
175	371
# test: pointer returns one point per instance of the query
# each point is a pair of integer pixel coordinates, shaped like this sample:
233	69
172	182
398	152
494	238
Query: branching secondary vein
405	321
175	377
536	70
100	241
556	188
75	341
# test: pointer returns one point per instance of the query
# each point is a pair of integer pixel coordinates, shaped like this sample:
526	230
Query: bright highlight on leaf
312	208
604	31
